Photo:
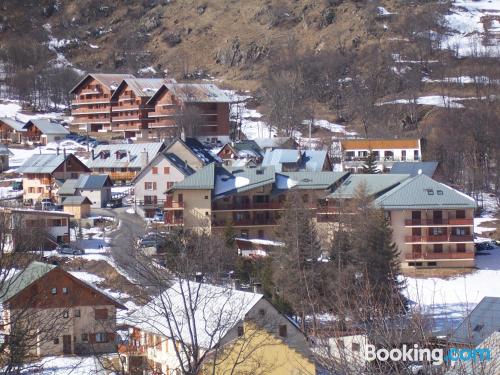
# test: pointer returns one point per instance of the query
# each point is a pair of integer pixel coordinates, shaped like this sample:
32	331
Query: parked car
67	249
159	217
114	203
47	205
482	246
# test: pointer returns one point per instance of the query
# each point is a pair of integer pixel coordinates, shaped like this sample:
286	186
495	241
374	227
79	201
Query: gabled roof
244	149
85	182
68	187
200	151
202	179
320	180
134	149
376	144
195	93
236	180
214	309
273	142
76	200
47	127
21	280
180	165
421	192
375	184
143	87
14	124
43	163
480	323
111	81
307	160
412	168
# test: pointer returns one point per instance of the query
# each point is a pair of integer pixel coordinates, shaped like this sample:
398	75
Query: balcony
173	205
444	255
425	222
90	111
461	221
438	238
174	220
76	102
122	175
219	206
244	222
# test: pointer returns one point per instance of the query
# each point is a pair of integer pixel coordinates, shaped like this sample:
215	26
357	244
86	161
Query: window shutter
92	338
154	185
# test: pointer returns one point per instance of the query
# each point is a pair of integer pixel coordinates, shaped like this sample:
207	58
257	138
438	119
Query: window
150	185
169	184
166	170
305	198
436	231
101	337
85	337
461	248
461	231
241	331
77	313
438	248
206	196
65	314
355	347
101	314
155	170
282	330
460	214
403	155
65	290
431	264
56	341
478	327
53	291
262	312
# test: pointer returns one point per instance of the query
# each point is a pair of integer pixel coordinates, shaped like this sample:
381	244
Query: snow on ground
22	154
55	45
147	70
66	366
93	46
463	80
469	22
434	100
334	128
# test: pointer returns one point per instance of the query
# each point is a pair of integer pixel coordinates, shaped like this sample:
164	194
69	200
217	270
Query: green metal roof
20	281
421	192
76	200
237	180
202	179
375	184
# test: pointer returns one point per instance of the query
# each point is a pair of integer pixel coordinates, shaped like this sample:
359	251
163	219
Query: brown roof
111	81
349	144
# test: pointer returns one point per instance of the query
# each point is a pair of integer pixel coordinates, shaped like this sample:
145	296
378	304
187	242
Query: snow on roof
14	124
214	309
47	127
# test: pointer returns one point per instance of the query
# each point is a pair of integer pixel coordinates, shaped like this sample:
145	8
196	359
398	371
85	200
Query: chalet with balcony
122	162
158	176
41	171
60	314
90	106
43	131
433	224
201	110
11	130
386	151
248	199
130	108
297	160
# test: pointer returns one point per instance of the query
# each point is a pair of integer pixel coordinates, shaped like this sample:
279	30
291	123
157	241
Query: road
123	239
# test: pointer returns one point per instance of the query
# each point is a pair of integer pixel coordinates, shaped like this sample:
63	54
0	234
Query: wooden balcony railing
85	111
122	175
246	206
173	205
428	222
461	221
244	222
444	255
90	101
174	220
439	238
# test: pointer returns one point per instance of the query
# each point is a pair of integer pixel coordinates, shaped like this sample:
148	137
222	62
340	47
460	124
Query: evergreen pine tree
371	164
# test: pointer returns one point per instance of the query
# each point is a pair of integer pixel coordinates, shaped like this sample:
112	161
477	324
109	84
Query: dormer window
105	154
120	154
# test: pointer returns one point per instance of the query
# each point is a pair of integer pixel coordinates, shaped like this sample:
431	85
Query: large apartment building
130	108
386	151
91	106
432	224
205	106
59	313
247	199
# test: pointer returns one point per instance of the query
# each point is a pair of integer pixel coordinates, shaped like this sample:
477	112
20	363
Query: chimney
144	158
198	277
129	156
257	287
93	154
57	151
64	153
235	284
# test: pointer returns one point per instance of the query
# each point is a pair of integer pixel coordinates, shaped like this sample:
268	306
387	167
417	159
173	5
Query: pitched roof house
61	313
44	131
216	316
246	150
97	188
11	130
